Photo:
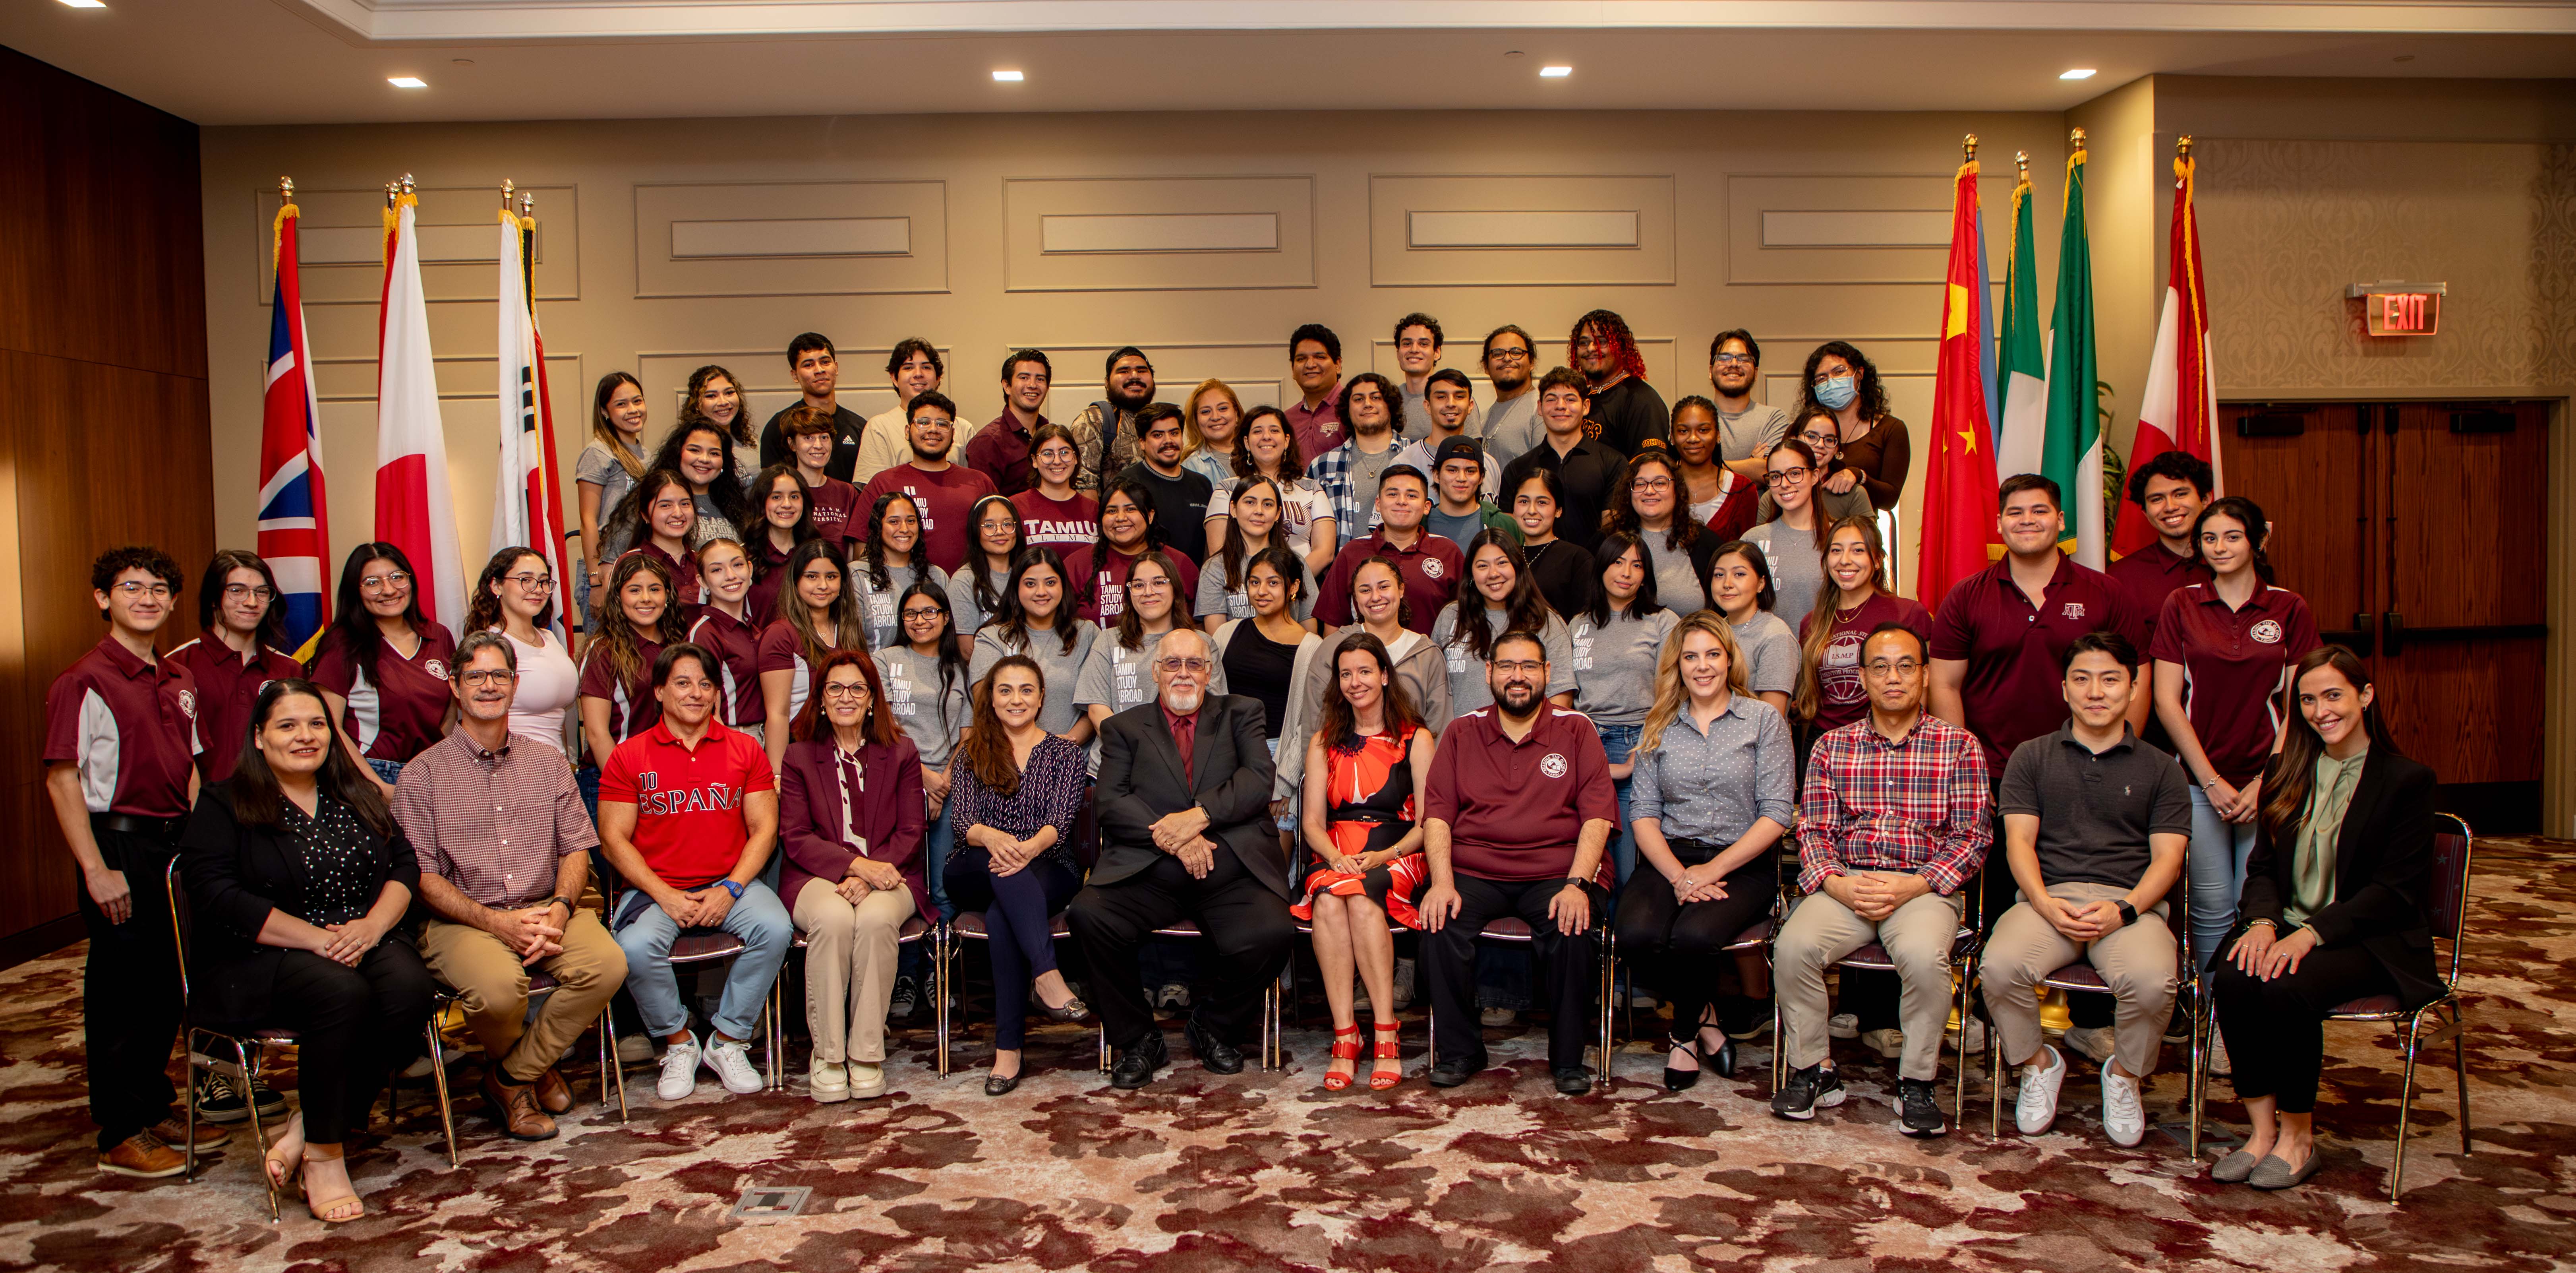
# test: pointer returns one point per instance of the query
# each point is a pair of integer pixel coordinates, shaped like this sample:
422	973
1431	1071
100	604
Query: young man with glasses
1893	821
1511	421
504	849
1746	430
238	611
121	740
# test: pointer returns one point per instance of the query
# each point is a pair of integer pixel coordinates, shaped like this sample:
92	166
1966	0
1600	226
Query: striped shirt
1919	805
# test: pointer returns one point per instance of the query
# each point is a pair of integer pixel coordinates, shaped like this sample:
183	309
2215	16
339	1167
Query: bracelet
2249	925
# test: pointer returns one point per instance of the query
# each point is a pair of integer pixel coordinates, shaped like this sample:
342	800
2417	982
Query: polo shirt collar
663	737
127	662
2209	593
2066	735
2002	571
1547	711
1386	545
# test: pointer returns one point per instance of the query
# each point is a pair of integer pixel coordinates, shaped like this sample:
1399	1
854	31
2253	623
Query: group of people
1572	656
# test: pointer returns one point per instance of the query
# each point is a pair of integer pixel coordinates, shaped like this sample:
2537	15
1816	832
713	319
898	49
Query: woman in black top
298	878
1535	497
2335	908
1260	655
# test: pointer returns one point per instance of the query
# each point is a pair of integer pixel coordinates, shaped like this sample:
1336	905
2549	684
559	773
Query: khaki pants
1917	937
849	968
493	986
2137	962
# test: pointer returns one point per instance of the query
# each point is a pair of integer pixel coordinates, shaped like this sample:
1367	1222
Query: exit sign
2400	309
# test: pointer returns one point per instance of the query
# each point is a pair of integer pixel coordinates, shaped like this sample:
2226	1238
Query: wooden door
2308	465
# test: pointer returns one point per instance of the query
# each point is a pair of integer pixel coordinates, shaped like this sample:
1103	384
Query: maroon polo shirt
130	726
2232	663
1515	809
1431	570
835	508
2015	689
736	645
1000	451
1318	430
632	709
1108	598
946	499
1065	525
228	687
2150	575
396	716
765	590
1841	696
687	593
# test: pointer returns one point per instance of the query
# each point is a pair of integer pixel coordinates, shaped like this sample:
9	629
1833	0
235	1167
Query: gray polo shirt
2095	811
1614	665
1711	787
1467	687
930	714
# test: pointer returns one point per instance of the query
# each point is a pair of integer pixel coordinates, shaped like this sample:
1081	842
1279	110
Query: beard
1518	701
919	453
1184	702
1510	386
1124	400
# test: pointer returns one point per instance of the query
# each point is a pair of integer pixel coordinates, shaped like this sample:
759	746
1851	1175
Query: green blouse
2312	868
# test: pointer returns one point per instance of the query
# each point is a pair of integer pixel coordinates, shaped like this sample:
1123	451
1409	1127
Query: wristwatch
1576	880
560	900
731	887
2128	913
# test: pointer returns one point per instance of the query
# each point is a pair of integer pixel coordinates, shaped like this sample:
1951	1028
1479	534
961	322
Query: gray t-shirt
1365	470
2095	811
1797	568
1467	688
882	608
1678	586
1061	667
1770	654
1750	432
1457	530
929	713
1614	665
1216	599
597	466
1512	426
961	600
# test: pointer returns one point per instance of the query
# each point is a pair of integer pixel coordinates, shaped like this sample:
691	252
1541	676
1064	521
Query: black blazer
235	876
2383	875
1141	781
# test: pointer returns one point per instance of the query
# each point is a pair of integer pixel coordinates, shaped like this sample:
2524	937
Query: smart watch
731	887
2128	913
560	900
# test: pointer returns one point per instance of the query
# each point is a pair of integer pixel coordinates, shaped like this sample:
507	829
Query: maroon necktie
1185	734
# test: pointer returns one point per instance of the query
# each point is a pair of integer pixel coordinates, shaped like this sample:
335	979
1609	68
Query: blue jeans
937	840
645	932
389	770
1616	742
2215	867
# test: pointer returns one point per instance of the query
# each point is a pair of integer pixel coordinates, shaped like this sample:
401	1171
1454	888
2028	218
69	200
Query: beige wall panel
841	220
1397	258
1158	234
472	423
341	234
1807	204
1255	370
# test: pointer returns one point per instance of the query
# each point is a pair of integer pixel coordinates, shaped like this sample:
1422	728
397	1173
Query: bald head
1182	664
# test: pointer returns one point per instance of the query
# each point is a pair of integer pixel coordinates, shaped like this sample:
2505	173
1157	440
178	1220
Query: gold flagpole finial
527	203
2182	146
407	186
506	188
2021	161
1968	149
286	189
2078	138
390	192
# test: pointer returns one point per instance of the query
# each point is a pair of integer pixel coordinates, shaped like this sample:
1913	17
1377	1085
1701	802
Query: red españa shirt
2232	661
688	801
2015	688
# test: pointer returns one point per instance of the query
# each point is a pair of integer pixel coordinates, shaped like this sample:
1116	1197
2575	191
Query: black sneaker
218	1101
907	997
1918	1109
1807	1091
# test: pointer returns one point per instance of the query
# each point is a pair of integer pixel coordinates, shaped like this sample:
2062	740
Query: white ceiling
221	62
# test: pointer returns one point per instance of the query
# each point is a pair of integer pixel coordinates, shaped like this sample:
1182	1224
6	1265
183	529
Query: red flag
1959	487
2180	409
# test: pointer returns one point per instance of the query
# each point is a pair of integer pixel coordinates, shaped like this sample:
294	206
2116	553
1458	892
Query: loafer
2273	1173
1574	1082
1000	1084
1219	1056
1074	1011
867	1079
1453	1073
1134	1067
2233	1169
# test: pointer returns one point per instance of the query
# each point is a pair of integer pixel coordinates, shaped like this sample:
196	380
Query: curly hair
1873	394
1623	343
740	430
872	554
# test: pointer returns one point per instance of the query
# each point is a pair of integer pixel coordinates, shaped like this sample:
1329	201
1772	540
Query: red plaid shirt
1919	805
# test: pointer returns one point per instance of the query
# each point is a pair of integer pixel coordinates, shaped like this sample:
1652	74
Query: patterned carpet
1266	1171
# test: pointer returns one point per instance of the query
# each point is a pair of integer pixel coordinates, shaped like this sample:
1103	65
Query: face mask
1837	393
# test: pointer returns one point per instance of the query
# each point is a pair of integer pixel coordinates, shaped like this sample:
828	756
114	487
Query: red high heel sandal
1346	1047
1387	1050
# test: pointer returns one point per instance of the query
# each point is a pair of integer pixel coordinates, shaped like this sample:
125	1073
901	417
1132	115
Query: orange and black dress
1368	794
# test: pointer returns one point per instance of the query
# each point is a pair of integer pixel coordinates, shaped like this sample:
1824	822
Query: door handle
2364	634
2396	633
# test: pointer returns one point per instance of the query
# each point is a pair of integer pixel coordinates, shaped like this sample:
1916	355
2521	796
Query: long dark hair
1234	550
210	595
1143	499
1014	621
257	800
1292	463
878	726
629	515
1873	395
617	638
1292	574
690	413
1524	608
1615	545
1829	602
979	570
1684	529
952	665
1131	623
606	434
2293	770
1818	524
756	508
873	552
849	625
987	746
2246	512
1339	729
353	627
724	488
1403	601
483	611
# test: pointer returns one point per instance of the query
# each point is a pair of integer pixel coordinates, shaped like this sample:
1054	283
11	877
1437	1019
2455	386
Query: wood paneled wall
105	435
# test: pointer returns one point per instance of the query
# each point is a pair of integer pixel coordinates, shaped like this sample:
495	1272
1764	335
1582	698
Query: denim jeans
937	840
2215	867
645	932
1616	742
389	770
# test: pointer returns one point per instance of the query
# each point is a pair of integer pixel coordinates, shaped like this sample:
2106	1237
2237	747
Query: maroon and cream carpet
1266	1171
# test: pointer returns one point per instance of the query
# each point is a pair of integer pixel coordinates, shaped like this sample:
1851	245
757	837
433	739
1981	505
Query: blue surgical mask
1837	392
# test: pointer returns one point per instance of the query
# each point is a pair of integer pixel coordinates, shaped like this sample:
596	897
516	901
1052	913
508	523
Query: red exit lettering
2402	311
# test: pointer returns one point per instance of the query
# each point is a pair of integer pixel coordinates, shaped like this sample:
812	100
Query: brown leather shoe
554	1096
143	1154
515	1105
174	1133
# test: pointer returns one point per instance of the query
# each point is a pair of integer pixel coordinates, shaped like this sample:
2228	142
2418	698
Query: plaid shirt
1918	805
492	823
1354	511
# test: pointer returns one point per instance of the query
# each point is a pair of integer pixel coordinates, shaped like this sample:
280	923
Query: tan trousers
492	985
2137	962
849	968
1918	937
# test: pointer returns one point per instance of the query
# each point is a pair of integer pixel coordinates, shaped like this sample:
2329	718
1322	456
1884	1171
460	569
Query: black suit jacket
1141	780
235	875
2383	875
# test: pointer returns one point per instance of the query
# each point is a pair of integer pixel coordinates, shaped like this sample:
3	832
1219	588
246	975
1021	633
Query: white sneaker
2094	1041
634	1049
1973	1040
2122	1113
1842	1025
867	1079
1497	1018
2218	1064
679	1071
732	1063
1887	1043
827	1083
2037	1107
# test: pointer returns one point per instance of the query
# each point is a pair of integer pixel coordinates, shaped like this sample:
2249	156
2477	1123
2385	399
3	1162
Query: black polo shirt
2095	811
1590	472
847	425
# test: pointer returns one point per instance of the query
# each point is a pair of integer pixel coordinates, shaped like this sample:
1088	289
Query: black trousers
356	1025
2275	1030
1248	933
1677	948
130	1000
1568	967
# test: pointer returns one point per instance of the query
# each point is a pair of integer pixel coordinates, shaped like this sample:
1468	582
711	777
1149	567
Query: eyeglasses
1591	342
1191	664
921	612
1787	477
1528	667
487	676
1818	439
1732	360
260	593
138	588
1507	354
394	579
1883	669
1654	484
845	689
526	580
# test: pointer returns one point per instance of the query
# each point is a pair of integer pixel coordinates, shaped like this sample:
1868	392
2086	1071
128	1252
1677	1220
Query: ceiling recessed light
1554	72
406	81
2079	73
1007	77
85	4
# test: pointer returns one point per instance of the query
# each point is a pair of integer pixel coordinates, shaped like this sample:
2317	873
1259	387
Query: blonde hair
1670	695
1191	442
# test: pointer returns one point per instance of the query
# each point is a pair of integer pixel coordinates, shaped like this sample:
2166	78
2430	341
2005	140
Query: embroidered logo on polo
188	703
2267	632
1432	569
2072	610
435	667
1553	764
